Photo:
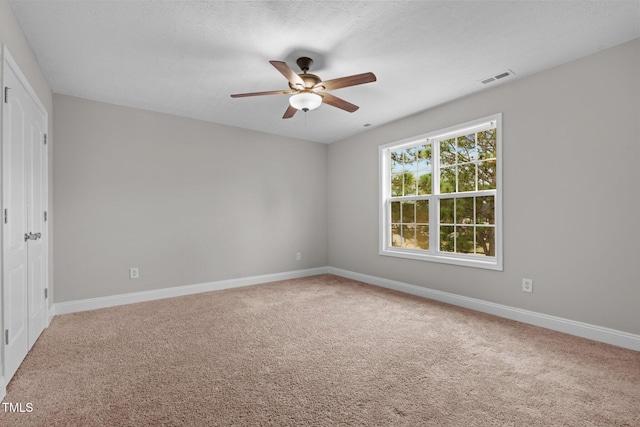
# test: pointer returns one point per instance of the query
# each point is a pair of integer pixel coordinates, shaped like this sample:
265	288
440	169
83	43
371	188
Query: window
440	195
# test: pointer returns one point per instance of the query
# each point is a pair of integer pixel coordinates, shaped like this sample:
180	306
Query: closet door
36	246
24	272
14	192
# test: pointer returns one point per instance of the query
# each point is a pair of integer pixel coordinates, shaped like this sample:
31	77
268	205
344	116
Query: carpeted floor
318	351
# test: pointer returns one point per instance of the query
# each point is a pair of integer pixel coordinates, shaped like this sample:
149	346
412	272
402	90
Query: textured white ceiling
187	57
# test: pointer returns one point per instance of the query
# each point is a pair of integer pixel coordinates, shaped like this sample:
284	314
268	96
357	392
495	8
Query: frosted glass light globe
305	101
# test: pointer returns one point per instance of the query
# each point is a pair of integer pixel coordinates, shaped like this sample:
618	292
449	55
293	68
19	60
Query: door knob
32	236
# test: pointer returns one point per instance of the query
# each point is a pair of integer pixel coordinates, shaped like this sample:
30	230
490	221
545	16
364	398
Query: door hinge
6	94
6	337
46	293
45	139
5	216
45	216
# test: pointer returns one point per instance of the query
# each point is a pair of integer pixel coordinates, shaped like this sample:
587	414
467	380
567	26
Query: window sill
488	263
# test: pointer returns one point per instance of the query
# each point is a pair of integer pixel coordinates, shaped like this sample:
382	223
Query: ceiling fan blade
289	113
334	101
273	92
289	74
341	82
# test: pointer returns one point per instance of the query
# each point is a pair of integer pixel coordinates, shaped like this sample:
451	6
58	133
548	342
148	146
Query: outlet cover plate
527	285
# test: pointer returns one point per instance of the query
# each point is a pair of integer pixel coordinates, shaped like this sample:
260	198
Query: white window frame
434	254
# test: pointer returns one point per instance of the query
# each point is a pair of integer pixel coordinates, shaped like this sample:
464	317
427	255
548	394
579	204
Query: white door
36	249
24	273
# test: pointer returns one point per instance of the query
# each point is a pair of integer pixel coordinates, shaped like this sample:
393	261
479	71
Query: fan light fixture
305	101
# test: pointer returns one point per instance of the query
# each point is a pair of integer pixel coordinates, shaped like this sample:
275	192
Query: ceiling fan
309	91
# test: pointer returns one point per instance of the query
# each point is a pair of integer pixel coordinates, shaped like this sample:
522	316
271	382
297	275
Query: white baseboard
584	330
134	297
3	388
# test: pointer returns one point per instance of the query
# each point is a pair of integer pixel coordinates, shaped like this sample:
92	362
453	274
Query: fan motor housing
310	80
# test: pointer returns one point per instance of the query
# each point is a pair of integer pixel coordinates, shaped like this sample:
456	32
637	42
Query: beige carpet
319	351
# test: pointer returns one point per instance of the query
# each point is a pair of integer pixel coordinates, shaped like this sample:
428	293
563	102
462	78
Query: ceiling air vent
497	77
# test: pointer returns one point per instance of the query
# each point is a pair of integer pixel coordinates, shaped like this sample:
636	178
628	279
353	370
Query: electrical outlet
527	285
134	273
298	256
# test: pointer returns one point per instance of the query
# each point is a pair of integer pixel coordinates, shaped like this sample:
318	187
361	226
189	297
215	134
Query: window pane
408	236
409	184
467	148
448	152
410	159
487	144
446	238
464	210
446	211
396	237
422	237
408	212
448	180
395	211
396	185
422	211
396	162
424	158
424	183
487	175
467	177
485	241
464	240
485	210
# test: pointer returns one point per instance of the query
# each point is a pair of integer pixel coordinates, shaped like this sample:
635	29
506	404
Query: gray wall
571	171
183	200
